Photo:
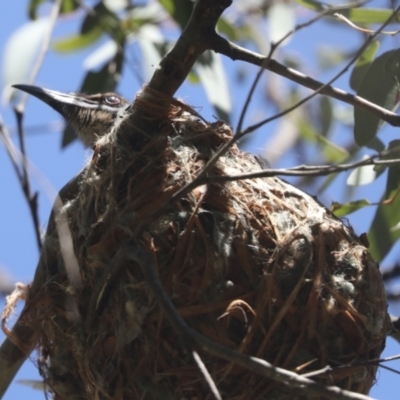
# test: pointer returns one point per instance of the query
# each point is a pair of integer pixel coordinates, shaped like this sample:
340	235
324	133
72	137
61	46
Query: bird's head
91	116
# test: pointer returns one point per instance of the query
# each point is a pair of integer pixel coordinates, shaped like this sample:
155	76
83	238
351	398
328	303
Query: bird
91	116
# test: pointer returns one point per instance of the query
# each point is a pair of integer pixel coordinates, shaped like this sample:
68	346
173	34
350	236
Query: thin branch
328	369
196	40
214	42
250	94
42	52
206	375
23	174
190	336
30	197
267	60
10	148
320	89
235	52
300	170
364	30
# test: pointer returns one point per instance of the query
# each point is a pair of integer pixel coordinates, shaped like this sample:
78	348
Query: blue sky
18	252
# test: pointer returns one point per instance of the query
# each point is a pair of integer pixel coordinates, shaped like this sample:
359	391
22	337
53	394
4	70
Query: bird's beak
57	100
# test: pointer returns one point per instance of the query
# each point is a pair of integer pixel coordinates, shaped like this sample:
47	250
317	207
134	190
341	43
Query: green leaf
225	27
376	144
311	4
193	78
67	6
104	80
380	86
340	210
393	178
325	115
332	152
385	230
77	42
168	5
358	15
362	65
179	10
32	8
366	16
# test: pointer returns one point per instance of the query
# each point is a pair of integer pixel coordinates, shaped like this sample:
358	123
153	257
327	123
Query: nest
255	265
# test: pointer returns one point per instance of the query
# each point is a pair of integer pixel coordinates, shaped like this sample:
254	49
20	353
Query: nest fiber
255	265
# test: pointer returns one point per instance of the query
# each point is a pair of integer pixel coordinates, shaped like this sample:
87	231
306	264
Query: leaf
393	178
366	16
376	144
116	5
384	230
340	210
281	20
357	15
380	86
332	152
67	6
362	65
311	4
77	42
153	47
325	115
32	8
362	175
105	20
101	55
150	13
211	72
93	20
193	78
20	53
227	28
68	136
168	5
179	10
104	80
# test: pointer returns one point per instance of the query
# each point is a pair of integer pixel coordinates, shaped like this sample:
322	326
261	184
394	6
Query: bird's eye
112	100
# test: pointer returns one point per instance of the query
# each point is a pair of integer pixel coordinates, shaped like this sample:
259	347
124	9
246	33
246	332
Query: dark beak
61	102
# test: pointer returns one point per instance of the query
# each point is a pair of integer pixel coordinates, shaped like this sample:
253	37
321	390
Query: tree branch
235	52
194	40
301	170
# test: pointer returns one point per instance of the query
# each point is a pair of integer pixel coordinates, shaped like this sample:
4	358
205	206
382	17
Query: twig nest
256	265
